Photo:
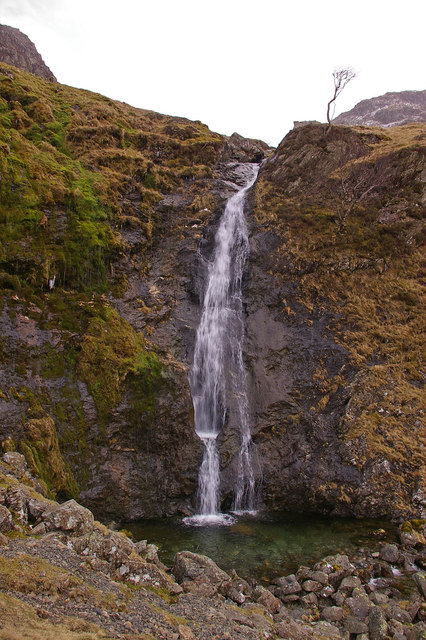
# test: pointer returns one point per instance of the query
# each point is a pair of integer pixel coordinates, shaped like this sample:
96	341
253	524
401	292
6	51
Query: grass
21	621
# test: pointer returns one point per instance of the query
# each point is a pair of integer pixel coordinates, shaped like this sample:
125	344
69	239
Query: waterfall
218	362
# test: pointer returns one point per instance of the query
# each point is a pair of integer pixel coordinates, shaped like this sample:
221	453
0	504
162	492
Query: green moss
110	350
43	455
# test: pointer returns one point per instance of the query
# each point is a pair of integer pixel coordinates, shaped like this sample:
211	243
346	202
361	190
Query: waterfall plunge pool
263	546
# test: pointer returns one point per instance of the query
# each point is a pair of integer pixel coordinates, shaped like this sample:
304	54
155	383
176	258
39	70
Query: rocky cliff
103	207
390	110
107	223
334	301
17	50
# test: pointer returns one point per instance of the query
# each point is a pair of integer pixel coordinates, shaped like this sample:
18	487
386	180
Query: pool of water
261	546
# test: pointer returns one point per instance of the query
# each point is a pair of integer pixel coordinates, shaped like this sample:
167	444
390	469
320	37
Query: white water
220	333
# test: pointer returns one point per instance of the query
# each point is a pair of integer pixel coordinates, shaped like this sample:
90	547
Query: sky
236	65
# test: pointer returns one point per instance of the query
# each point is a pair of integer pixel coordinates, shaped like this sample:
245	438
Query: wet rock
389	553
377	625
70	517
311	585
287	585
6	521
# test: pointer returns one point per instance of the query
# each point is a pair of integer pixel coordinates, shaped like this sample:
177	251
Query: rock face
17	50
390	110
327	412
114	212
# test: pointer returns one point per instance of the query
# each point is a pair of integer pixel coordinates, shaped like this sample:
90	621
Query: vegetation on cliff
80	178
346	207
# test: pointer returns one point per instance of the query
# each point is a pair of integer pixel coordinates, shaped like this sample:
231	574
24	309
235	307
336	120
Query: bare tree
341	78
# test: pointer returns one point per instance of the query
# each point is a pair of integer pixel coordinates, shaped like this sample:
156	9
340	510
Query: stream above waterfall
265	546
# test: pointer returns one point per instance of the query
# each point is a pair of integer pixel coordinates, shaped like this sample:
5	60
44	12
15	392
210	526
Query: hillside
335	339
102	208
392	109
107	223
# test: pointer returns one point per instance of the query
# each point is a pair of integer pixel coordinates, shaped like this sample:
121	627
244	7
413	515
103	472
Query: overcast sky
237	65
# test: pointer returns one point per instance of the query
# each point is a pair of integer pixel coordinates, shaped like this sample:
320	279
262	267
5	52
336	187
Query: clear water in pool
262	546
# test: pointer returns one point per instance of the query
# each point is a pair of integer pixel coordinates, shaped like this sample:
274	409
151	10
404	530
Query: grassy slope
77	169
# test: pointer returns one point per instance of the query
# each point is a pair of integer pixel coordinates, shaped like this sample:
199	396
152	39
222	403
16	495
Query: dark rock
377	625
389	553
17	50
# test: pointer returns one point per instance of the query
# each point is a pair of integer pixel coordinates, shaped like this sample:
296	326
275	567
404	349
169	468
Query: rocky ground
62	574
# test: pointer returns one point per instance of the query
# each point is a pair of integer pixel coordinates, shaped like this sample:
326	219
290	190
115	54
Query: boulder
359	603
69	517
17	500
293	630
332	614
269	601
349	584
287	585
16	461
353	625
311	585
6	521
389	553
336	567
200	570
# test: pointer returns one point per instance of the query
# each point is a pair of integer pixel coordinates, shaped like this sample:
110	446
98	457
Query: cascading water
221	333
